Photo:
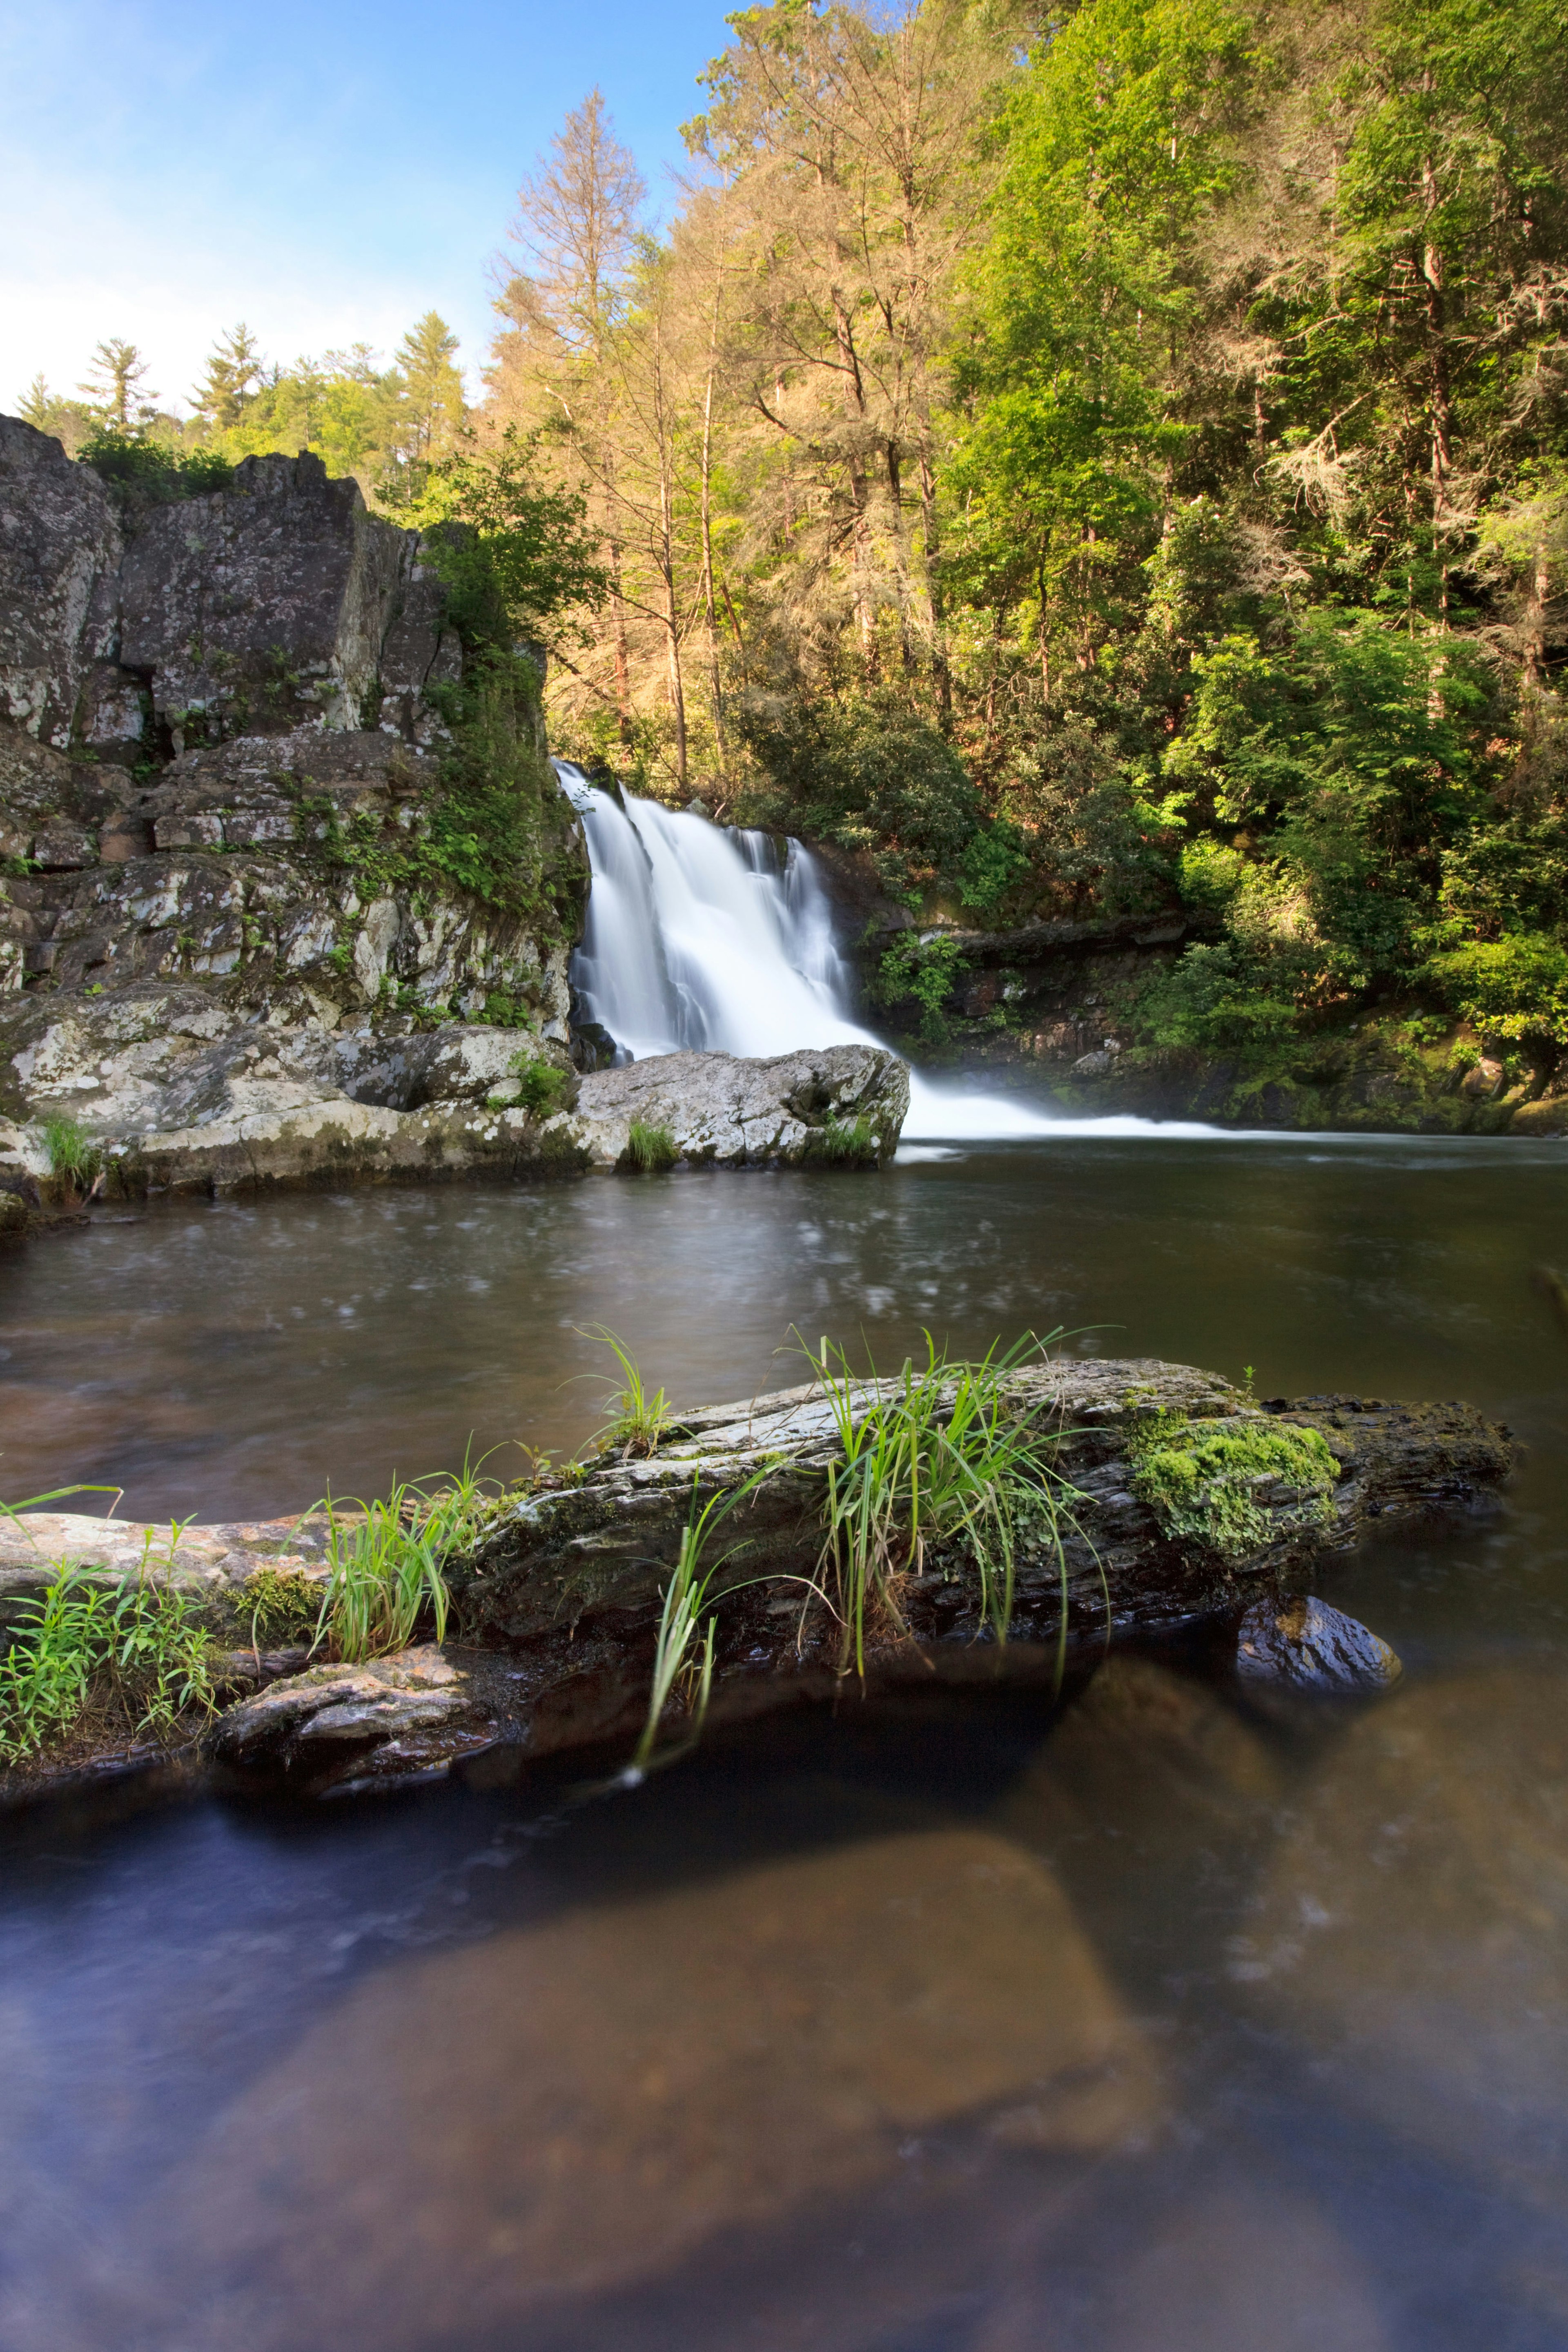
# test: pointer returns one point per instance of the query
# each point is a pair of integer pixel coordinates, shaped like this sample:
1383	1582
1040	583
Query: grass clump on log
139	1654
1203	1480
940	1460
639	1416
386	1563
649	1149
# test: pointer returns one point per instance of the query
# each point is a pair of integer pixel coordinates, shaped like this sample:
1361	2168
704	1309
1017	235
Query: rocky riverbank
1176	1498
1054	1006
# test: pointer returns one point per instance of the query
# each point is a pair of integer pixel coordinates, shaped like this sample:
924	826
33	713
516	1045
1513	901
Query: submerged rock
1412	1937
572	2106
1302	1645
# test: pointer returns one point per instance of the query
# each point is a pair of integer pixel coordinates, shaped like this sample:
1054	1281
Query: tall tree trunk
1441	400
710	614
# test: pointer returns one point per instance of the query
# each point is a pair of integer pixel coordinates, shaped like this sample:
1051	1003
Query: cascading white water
695	938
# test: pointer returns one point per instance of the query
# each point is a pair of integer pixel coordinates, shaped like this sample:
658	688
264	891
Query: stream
1156	2022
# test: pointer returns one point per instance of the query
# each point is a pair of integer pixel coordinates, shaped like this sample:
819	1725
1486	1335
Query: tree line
1095	464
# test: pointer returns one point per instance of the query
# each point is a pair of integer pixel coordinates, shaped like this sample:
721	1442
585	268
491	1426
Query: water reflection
231	1359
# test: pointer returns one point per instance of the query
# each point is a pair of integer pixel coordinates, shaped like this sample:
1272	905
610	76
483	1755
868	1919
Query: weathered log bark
570	1581
557	1606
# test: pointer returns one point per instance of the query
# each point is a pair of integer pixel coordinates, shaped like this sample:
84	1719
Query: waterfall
700	936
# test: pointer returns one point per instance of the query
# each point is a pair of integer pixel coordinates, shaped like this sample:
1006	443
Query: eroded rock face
276	867
278	600
60	546
722	1110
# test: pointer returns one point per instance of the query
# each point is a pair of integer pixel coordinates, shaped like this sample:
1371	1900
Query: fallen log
1169	1495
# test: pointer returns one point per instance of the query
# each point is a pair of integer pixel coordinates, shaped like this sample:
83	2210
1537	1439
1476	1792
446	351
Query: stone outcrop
178	1096
277	600
234	941
844	1102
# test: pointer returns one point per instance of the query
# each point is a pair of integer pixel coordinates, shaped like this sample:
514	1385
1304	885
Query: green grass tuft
75	1161
649	1149
386	1562
846	1143
936	1459
639	1415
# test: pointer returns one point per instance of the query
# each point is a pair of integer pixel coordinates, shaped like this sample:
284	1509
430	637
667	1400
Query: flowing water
944	2026
700	935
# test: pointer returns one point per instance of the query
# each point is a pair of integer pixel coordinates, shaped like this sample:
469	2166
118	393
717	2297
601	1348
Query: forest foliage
1095	464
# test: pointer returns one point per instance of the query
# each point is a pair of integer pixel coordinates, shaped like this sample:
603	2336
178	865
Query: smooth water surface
939	2026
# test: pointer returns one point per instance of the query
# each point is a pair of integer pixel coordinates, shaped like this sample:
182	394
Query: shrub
544	1086
920	971
1513	987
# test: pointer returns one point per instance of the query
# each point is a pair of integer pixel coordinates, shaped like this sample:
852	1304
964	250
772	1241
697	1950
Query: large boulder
831	1103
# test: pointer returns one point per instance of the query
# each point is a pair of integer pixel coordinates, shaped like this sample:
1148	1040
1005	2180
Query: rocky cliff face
238	814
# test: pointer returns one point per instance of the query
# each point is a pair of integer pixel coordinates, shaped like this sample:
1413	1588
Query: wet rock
1412	1937
307	1724
1301	1644
570	2106
724	1110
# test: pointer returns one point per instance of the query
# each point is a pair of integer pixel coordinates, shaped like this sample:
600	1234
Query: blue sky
325	174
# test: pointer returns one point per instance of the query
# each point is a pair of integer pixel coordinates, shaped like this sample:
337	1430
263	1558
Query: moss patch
1233	1485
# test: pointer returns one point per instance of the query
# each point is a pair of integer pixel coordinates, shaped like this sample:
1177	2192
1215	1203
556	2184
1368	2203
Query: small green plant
543	1088
140	1649
680	1661
75	1161
650	1148
1204	1479
938	1457
846	1143
638	1416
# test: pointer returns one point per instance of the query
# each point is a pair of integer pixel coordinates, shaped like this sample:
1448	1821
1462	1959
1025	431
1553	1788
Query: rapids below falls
953	2023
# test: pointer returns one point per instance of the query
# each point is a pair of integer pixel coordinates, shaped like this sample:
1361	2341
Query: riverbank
1055	1009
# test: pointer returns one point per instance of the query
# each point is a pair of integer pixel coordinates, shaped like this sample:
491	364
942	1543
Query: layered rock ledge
557	1605
174	1098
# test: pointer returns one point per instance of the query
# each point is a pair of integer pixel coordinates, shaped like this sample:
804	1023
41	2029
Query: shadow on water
952	2023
